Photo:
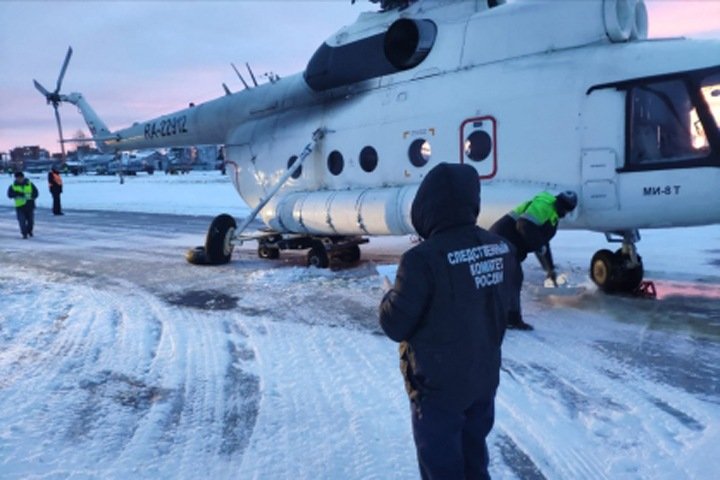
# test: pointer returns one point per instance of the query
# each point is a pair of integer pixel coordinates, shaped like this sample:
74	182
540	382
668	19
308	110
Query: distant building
4	162
30	158
87	150
201	157
86	159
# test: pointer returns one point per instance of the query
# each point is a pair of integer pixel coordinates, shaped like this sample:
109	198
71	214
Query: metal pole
317	136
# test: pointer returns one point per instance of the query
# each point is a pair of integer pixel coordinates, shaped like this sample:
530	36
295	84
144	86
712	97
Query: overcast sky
135	60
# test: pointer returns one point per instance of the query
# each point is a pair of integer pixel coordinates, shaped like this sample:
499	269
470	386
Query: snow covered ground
120	360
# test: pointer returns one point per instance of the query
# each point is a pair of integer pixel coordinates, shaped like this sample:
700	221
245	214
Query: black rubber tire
630	278
608	271
217	242
317	256
197	256
602	269
270	253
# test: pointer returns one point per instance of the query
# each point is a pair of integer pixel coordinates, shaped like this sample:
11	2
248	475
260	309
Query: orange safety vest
56	179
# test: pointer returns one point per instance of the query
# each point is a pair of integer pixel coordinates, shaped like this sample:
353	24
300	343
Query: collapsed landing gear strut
224	231
620	271
321	250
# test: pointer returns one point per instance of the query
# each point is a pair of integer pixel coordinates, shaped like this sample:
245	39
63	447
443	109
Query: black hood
448	197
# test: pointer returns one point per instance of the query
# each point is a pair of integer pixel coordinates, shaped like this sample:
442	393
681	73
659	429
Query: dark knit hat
566	201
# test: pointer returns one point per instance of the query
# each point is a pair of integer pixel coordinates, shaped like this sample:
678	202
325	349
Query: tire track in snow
137	388
320	386
201	418
596	397
175	397
66	347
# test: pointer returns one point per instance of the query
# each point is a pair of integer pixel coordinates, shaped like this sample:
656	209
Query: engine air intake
404	45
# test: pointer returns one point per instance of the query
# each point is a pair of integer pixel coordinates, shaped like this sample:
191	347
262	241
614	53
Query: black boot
515	322
520	325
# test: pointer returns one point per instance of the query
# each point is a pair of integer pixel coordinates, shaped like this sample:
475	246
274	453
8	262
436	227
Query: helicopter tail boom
98	129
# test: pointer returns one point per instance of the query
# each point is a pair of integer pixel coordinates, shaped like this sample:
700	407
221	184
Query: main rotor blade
62	71
59	125
41	89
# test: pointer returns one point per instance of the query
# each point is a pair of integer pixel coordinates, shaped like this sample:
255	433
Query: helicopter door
599	190
477	145
601	133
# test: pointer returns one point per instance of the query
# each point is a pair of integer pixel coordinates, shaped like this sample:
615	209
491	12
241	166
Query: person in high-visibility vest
56	187
529	227
24	193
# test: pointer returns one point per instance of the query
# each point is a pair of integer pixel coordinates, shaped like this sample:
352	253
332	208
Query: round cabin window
478	145
419	152
368	159
335	162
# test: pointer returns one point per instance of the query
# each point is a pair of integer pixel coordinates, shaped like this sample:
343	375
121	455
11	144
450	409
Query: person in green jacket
529	227
24	193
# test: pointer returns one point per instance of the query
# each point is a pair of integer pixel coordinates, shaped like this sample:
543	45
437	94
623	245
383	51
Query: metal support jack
223	234
316	137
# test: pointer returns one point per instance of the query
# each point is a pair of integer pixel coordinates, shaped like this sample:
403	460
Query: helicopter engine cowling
404	45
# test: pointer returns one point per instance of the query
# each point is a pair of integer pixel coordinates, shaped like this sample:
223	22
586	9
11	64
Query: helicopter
536	95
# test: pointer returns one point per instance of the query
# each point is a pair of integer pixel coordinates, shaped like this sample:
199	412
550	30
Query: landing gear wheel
268	252
317	256
197	256
218	245
601	269
612	272
631	277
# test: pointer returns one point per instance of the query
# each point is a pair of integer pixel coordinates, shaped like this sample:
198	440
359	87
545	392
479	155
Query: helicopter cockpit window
710	90
665	125
419	152
291	161
368	159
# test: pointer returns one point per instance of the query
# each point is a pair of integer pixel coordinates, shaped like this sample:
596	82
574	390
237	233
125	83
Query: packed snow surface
120	360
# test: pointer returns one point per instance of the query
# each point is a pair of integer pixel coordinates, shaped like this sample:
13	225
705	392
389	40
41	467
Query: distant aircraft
534	94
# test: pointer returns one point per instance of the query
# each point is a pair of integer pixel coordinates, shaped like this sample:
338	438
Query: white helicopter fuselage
535	95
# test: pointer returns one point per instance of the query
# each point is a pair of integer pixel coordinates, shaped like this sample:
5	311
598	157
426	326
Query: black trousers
25	218
57	209
451	445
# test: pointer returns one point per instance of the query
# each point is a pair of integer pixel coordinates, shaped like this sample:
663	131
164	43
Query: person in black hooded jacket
449	308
